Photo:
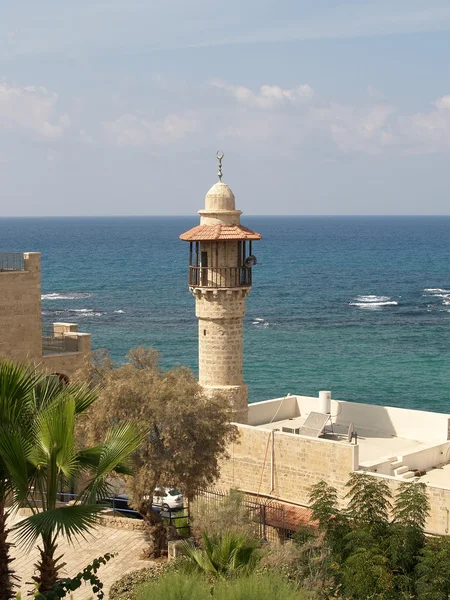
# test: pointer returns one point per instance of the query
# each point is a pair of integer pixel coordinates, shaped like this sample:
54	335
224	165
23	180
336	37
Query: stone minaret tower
220	277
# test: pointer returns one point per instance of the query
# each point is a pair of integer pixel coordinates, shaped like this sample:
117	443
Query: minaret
220	277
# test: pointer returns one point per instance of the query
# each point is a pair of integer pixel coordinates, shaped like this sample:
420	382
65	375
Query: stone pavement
126	544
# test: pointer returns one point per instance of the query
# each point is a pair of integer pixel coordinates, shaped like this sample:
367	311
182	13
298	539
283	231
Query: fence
268	516
57	343
11	261
217	277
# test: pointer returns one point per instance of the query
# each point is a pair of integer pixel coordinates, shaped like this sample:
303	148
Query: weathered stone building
62	350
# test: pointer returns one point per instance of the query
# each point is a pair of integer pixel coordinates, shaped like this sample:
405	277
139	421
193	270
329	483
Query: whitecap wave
84	312
373	304
371	298
436	291
65	296
258	322
119	312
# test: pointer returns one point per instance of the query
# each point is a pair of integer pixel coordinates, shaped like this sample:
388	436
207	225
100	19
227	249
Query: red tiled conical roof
219	232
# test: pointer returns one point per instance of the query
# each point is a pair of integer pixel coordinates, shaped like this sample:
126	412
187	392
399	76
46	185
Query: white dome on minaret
220	197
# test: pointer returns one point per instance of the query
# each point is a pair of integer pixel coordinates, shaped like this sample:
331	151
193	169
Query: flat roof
374	446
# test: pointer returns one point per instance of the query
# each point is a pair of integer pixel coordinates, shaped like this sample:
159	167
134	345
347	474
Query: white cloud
443	103
137	130
301	117
268	96
428	132
32	109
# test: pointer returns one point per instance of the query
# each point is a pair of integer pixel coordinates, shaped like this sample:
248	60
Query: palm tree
17	383
224	555
47	460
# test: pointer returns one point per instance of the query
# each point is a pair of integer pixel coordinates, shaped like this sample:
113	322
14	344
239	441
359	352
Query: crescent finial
220	155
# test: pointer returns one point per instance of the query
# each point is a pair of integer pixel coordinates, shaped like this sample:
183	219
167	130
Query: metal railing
268	517
220	277
58	343
12	261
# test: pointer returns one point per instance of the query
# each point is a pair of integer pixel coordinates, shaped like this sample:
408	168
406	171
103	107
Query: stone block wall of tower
21	319
20	310
220	313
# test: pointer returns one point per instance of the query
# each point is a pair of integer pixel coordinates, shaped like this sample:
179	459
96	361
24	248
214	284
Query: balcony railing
220	277
58	343
11	261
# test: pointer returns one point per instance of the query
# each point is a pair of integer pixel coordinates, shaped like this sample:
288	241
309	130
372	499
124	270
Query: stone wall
20	311
284	465
299	462
220	313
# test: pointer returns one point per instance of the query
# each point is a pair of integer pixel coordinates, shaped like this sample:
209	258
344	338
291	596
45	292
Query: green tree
189	431
407	537
323	501
366	575
369	501
433	570
333	524
46	459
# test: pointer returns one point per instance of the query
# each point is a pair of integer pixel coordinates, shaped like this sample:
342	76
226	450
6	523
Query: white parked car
168	499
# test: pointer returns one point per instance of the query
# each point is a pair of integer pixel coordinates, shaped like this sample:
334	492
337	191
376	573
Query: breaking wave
65	296
372	299
119	312
436	291
373	304
258	322
84	312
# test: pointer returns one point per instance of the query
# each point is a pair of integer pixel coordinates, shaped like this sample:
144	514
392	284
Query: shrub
176	586
189	586
228	513
223	556
126	587
283	559
267	586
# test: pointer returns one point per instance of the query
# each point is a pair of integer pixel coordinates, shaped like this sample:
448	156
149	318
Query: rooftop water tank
325	402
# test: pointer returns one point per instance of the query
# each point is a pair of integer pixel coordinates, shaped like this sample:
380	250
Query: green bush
176	586
189	586
126	587
267	586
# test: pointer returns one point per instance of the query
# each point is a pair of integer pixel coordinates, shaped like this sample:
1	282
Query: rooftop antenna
220	155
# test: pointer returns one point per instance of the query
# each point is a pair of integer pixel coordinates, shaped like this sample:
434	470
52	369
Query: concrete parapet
65	327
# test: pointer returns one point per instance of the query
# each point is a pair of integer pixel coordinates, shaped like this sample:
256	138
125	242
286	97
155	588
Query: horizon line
278	215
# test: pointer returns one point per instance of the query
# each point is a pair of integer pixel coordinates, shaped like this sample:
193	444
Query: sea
356	305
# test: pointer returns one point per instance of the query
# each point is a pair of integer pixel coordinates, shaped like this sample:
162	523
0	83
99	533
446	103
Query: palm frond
68	521
15	450
17	381
55	436
113	456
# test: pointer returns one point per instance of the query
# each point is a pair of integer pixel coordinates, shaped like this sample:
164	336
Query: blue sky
321	107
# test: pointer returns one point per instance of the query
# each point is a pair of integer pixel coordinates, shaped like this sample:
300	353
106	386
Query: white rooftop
391	441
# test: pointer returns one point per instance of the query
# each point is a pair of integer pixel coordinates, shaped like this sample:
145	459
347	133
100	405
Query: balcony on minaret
220	253
220	259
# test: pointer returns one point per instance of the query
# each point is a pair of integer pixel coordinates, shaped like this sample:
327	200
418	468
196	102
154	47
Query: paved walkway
126	544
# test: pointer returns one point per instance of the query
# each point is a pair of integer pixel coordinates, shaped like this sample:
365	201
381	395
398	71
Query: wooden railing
220	277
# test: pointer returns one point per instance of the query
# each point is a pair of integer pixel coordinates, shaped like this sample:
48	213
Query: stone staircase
400	470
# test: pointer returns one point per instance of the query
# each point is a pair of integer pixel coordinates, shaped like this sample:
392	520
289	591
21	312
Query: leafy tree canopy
189	430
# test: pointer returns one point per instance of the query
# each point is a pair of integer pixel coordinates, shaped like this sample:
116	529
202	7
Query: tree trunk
47	566
7	576
156	531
